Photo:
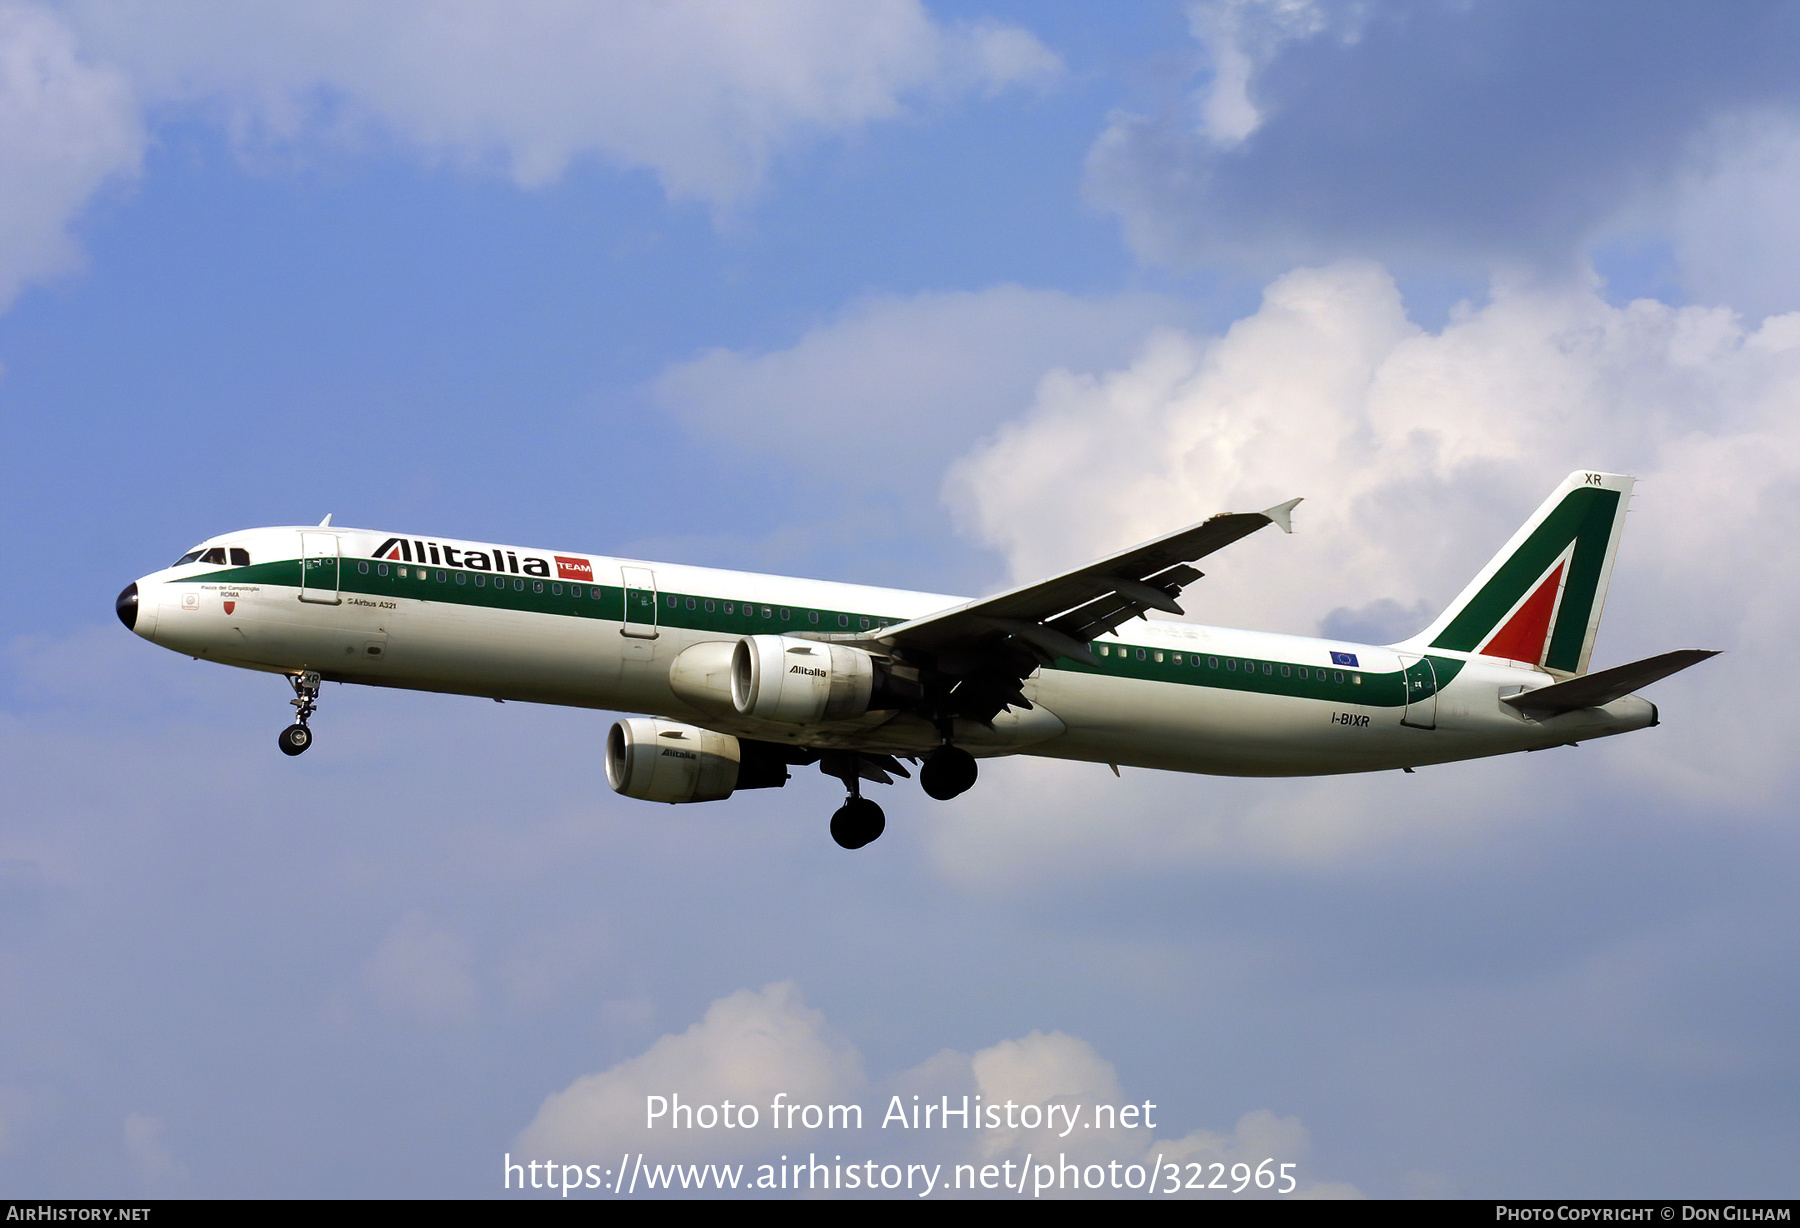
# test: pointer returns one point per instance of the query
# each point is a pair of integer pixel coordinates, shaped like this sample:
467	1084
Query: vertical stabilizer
1538	601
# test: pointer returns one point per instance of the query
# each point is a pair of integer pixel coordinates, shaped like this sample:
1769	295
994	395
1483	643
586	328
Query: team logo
230	606
573	569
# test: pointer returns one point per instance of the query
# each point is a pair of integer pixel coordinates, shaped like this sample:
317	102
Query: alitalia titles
488	558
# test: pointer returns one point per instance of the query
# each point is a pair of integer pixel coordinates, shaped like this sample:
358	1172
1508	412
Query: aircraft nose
127	606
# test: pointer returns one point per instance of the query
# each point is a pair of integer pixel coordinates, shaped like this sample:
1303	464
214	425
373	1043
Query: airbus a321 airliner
742	677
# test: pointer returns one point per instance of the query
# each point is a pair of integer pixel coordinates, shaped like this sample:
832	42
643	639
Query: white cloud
755	1044
420	973
922	377
151	1157
704	93
1418	453
749	1047
1240	36
67	126
1731	217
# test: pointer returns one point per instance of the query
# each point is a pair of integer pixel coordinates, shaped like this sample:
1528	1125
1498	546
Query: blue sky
924	295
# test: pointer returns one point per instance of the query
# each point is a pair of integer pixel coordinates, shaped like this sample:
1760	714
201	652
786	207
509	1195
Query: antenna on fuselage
326	523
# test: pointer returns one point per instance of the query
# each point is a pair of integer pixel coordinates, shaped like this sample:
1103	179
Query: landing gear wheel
294	739
947	772
857	822
297	737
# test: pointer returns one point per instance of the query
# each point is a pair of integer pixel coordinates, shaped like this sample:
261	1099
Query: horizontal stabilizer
1598	690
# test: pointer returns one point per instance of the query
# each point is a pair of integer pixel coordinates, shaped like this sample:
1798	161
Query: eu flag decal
1344	658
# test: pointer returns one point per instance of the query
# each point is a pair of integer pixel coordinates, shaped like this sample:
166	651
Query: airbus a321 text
742	677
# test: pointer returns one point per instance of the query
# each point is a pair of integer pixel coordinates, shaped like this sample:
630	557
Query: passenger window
692	604
1177	658
1303	671
669	601
1337	677
363	568
843	620
441	577
537	586
518	586
1285	671
784	614
480	580
1268	668
1212	663
768	613
1105	651
709	605
461	578
865	623
1140	654
401	571
240	557
1157	655
812	616
730	608
381	569
556	590
1230	662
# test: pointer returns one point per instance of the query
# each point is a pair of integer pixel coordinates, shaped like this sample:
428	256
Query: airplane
740	677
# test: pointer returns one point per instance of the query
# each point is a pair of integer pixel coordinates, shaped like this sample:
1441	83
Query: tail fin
1539	599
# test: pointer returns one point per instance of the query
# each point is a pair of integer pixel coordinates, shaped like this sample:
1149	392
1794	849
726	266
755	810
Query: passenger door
1420	679
319	568
640	603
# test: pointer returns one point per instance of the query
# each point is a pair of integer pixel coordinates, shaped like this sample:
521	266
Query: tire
947	772
294	740
857	822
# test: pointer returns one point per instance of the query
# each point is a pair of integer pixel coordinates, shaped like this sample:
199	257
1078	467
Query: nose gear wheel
295	739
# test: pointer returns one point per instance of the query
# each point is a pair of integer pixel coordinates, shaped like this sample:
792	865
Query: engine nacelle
800	682
663	761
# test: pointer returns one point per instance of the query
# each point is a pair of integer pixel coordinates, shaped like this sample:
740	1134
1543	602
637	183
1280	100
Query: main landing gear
297	737
947	772
858	821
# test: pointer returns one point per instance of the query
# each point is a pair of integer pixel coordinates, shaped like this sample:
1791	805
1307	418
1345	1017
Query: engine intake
800	682
664	761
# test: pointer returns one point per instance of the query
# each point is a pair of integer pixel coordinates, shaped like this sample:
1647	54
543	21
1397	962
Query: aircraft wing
983	650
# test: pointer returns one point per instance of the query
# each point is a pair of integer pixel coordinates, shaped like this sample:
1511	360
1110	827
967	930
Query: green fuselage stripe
693	612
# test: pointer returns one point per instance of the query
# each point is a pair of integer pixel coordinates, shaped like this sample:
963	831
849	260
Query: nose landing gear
297	737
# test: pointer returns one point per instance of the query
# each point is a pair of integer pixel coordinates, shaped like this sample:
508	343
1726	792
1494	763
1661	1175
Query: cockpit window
215	555
240	557
192	556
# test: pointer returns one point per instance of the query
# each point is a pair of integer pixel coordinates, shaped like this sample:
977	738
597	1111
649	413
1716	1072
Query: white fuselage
591	631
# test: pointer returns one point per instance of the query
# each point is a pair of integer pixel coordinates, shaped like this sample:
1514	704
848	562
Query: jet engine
800	682
665	761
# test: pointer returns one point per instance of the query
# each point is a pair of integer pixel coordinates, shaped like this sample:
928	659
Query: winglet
326	523
1283	514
